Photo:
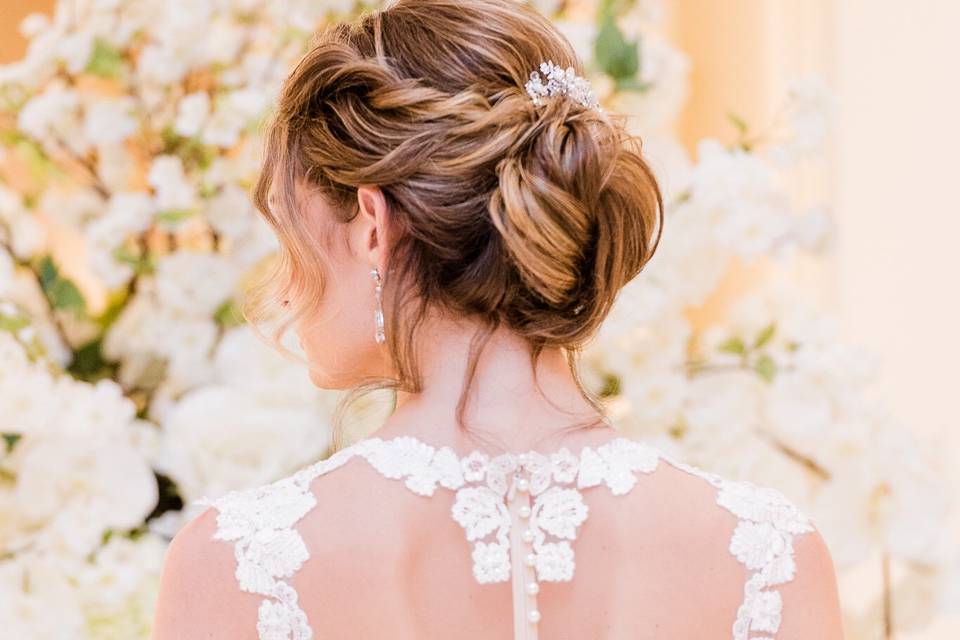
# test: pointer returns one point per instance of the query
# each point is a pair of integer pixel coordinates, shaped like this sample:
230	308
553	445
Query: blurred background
796	327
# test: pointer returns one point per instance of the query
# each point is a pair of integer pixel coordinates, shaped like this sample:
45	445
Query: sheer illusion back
517	545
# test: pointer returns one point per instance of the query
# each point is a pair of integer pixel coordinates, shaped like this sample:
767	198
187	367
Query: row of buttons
533	587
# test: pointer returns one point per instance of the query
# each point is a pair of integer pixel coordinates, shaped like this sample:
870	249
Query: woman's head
406	141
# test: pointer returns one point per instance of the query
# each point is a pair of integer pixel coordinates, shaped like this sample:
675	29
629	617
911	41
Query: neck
505	405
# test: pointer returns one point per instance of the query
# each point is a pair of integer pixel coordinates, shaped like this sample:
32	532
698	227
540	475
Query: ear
374	214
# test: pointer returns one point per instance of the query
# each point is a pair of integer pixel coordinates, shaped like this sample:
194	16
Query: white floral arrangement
129	387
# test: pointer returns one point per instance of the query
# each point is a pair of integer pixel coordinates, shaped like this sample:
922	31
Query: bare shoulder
754	543
356	508
198	597
230	572
811	605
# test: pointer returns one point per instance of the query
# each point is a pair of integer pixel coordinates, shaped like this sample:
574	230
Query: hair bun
576	208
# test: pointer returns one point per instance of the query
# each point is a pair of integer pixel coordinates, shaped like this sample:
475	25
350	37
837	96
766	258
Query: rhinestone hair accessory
560	81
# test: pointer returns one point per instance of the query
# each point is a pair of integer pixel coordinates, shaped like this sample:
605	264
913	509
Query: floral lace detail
269	550
557	511
763	542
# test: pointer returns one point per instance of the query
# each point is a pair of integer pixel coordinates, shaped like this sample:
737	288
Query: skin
653	564
505	393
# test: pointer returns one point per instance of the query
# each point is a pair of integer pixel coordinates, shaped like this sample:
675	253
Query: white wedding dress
520	514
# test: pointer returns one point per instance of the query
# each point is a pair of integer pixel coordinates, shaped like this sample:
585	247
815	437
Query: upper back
397	538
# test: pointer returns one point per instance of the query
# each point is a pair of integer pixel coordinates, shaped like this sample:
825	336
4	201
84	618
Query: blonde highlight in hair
532	217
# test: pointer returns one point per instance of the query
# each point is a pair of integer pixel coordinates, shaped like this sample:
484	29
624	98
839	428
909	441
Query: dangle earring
378	312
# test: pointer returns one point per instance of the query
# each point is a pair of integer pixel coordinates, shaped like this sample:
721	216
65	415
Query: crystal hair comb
560	82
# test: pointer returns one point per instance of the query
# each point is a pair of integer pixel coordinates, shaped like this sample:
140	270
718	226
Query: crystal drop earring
378	312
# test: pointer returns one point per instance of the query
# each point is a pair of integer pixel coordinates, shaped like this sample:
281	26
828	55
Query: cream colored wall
895	187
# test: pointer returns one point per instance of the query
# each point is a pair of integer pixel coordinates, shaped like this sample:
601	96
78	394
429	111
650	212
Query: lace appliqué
269	550
260	522
557	510
763	542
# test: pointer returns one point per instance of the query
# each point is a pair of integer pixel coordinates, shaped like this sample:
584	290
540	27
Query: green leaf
13	323
765	335
140	264
611	385
734	345
38	162
632	84
11	439
228	315
617	57
174	215
60	291
738	122
192	150
105	61
765	367
10	137
116	301
88	363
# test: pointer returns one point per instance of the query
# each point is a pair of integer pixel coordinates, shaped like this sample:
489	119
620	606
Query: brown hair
529	216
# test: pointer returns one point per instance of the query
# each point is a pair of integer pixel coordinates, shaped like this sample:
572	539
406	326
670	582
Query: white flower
230	211
217	438
192	112
167	177
180	288
723	406
224	39
33	25
98	411
122	571
109	120
74	48
129	213
809	110
243	361
798	408
76	489
188	346
233	112
160	66
31	586
53	111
